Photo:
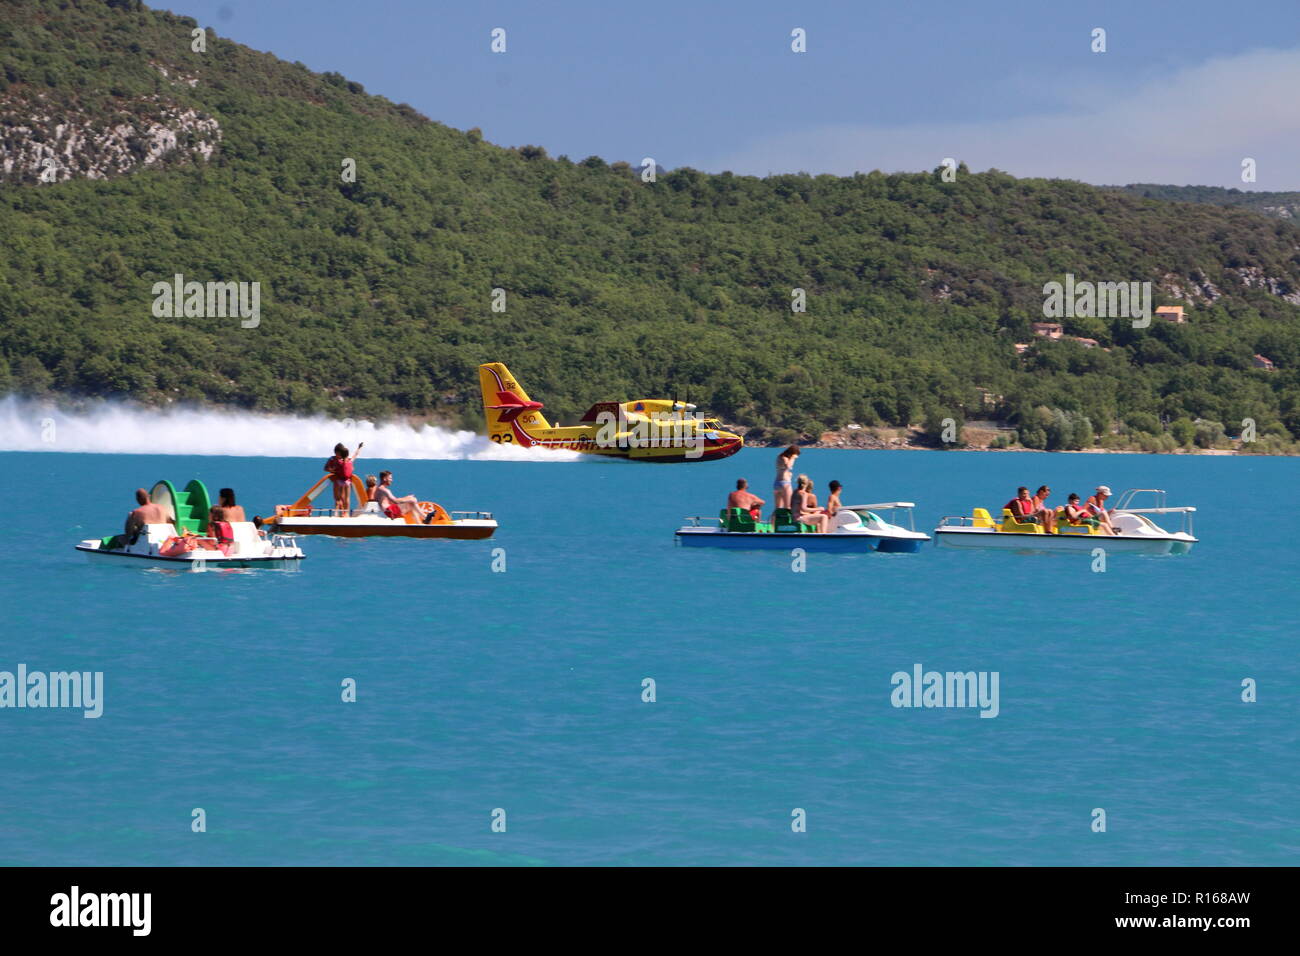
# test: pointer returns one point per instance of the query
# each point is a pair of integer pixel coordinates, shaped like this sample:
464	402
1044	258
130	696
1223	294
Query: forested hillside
376	295
1281	204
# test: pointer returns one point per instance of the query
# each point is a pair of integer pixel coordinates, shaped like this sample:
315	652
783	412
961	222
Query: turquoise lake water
522	690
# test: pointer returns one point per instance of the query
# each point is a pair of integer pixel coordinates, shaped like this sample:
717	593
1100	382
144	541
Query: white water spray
123	428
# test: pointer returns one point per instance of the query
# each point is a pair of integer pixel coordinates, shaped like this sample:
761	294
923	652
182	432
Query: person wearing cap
1096	507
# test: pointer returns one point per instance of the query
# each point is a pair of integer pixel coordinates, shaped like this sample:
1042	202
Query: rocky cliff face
45	142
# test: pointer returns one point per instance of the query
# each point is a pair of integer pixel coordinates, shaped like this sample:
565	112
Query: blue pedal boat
855	528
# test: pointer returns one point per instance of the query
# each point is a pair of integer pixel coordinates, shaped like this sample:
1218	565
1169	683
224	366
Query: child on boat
339	469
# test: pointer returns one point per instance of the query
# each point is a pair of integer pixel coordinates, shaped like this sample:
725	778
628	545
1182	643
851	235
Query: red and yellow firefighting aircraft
658	430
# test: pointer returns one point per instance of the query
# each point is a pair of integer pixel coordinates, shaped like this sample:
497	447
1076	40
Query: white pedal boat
855	528
249	549
368	521
1137	534
180	542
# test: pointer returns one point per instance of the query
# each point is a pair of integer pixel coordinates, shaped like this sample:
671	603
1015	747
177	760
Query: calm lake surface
522	690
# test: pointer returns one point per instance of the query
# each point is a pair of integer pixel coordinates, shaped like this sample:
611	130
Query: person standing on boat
743	498
339	469
782	487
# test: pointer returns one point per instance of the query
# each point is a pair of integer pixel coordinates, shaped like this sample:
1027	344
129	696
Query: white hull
1085	543
248	550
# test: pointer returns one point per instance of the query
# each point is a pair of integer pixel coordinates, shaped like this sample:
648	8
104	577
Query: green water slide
188	508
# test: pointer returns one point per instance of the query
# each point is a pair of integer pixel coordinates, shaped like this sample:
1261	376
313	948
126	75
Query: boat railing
1125	499
963	521
470	515
696	519
1123	504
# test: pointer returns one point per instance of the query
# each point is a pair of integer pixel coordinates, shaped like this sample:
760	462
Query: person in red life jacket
1022	506
339	468
1096	506
1075	513
219	528
744	499
393	506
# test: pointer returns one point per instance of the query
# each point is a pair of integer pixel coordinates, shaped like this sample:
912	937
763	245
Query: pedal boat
180	542
1137	534
855	528
369	522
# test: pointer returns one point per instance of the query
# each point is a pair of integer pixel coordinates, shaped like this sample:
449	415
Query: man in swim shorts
743	498
390	504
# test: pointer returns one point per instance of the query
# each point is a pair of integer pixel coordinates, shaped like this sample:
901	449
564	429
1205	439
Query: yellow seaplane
657	430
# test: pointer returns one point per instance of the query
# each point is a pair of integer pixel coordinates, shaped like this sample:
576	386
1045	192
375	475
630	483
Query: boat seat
1011	523
738	519
246	539
783	521
850	519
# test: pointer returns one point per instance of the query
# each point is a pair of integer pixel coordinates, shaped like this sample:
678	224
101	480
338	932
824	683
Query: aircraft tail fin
508	411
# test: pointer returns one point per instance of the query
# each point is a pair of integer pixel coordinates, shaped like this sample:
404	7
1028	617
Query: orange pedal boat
369	522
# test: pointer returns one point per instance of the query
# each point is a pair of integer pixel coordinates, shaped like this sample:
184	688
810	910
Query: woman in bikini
784	469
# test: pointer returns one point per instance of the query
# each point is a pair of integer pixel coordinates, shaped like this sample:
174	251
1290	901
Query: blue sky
1183	94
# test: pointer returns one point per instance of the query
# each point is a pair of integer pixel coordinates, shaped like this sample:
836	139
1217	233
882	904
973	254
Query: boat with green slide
182	538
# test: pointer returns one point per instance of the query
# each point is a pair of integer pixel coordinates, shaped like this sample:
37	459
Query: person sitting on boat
146	513
1096	506
219	527
339	469
1075	513
393	506
371	484
1045	514
833	502
1024	508
226	501
783	490
745	499
803	505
